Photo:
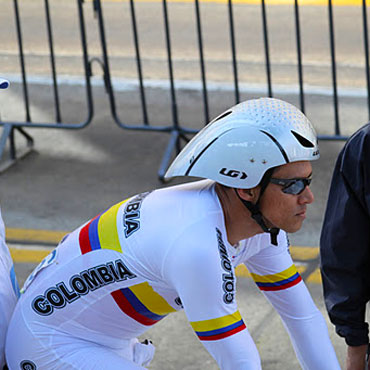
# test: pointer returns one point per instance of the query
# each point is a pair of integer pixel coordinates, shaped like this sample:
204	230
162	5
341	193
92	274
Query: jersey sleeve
204	278
9	289
276	276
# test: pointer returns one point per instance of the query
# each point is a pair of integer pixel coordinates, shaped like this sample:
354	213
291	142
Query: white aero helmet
240	145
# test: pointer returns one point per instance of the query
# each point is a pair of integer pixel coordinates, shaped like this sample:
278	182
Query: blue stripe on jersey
93	234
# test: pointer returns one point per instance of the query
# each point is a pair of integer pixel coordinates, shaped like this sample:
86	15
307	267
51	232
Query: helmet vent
223	115
302	140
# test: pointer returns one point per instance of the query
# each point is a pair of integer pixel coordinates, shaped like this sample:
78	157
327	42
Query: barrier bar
333	68
299	55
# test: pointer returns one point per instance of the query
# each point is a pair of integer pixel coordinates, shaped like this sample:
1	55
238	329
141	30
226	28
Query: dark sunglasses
292	186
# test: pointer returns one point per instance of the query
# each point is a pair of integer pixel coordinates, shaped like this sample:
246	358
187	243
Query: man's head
250	145
284	200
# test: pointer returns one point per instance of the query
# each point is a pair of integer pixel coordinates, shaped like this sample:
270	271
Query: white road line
126	84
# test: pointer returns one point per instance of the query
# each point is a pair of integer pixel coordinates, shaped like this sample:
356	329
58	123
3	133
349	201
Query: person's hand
356	357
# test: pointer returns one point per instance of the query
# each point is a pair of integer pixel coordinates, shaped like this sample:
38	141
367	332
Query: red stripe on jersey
84	239
127	308
281	287
223	335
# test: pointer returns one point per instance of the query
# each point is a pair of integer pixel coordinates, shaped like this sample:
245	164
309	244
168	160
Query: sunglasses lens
297	186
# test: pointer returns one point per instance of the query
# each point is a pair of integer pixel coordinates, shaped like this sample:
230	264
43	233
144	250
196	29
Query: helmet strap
258	217
255	209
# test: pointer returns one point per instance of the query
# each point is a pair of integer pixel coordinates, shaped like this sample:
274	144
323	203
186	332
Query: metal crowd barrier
12	127
178	132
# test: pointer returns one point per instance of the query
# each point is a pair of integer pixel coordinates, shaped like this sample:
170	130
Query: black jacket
345	240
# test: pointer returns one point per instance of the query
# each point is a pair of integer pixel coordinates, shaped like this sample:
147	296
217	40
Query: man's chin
292	228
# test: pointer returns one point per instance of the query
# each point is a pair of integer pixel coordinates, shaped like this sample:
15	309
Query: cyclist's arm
8	289
276	276
207	292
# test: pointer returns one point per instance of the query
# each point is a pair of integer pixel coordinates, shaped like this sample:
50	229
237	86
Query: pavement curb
34	236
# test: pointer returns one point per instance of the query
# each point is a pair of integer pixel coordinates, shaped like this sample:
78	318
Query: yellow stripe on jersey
107	229
219	328
217	323
151	299
275	277
278	281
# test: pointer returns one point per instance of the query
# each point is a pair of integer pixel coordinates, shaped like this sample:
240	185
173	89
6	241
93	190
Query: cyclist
9	290
176	248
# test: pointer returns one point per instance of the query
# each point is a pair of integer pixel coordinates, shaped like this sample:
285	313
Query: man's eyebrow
306	177
295	178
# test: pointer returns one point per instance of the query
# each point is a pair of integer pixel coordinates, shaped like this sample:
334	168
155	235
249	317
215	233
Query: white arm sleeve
205	281
276	276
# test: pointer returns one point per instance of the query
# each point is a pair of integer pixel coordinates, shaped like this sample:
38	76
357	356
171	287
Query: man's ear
250	195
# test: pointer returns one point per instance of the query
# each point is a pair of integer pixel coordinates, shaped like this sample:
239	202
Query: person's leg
80	354
85	356
52	349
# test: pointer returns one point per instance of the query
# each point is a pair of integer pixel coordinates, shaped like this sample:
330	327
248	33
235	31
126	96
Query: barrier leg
171	146
9	133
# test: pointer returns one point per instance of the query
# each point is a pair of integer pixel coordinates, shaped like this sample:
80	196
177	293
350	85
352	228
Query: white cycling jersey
9	290
158	252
